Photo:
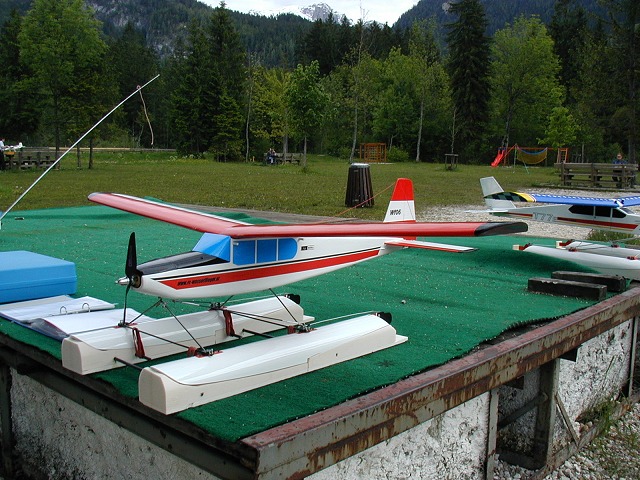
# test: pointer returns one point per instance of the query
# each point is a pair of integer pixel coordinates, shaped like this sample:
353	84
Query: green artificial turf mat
445	303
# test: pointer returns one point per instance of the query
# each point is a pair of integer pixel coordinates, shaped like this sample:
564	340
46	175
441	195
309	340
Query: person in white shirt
2	159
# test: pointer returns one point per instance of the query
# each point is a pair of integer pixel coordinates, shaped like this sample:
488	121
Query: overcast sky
382	11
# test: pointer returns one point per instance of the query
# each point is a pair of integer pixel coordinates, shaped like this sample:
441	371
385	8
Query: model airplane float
234	257
609	214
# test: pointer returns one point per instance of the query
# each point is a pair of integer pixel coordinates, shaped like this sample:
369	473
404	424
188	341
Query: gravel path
612	456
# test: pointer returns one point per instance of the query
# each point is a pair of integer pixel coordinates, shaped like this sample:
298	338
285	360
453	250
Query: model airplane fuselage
242	266
589	212
235	257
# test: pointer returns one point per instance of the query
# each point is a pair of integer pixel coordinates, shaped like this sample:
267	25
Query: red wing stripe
627	226
395	229
266	271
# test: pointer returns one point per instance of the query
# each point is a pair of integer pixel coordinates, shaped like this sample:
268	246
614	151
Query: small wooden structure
373	152
450	161
598	175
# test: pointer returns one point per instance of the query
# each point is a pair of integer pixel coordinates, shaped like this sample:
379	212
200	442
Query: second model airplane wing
566	199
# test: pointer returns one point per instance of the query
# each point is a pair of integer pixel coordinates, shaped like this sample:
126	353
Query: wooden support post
492	434
6	423
633	357
546	417
535	452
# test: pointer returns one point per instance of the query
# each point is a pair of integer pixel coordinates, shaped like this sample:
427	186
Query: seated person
619	160
271	156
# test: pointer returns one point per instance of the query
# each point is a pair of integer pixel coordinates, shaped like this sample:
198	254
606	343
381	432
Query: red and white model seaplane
234	257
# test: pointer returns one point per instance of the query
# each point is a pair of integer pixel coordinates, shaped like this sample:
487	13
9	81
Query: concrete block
614	283
567	288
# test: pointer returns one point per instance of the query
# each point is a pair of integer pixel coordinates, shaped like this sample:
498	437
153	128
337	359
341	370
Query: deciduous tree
307	102
525	81
60	43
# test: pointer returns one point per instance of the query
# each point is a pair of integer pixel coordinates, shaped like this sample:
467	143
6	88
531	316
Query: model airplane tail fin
490	186
401	207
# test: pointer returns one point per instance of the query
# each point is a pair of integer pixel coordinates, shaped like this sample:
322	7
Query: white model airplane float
234	257
609	214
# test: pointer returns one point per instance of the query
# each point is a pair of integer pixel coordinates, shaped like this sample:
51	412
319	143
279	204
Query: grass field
317	190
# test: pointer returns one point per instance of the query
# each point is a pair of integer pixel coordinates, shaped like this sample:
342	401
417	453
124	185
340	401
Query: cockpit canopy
592	211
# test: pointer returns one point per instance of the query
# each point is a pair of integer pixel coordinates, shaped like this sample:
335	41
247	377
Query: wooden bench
281	158
597	175
27	158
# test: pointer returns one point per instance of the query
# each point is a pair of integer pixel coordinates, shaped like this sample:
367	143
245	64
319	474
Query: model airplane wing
183	217
566	199
207	223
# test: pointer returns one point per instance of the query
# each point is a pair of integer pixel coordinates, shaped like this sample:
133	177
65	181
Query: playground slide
498	159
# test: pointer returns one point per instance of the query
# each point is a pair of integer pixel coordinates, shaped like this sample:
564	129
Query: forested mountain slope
165	22
499	12
274	38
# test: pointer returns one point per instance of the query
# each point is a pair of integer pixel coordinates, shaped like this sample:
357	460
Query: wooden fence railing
27	158
597	175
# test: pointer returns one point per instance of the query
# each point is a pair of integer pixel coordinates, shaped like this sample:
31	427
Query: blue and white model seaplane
235	257
608	214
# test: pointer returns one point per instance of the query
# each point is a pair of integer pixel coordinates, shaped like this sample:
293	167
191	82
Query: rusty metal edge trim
302	447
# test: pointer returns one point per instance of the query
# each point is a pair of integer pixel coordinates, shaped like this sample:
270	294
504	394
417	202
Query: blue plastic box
27	276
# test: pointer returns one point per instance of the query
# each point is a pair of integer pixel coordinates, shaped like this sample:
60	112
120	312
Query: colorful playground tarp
531	158
527	156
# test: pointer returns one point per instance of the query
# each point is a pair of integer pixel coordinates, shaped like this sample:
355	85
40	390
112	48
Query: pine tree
227	60
132	64
19	106
624	18
208	99
469	69
568	28
193	97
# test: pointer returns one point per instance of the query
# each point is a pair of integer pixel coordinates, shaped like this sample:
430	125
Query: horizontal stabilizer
443	247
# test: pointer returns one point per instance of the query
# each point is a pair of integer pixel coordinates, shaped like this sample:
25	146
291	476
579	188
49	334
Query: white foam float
603	261
175	386
600	249
97	350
